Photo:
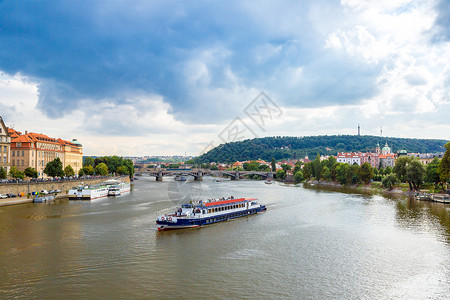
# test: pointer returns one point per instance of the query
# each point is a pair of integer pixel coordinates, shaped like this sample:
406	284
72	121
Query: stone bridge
199	173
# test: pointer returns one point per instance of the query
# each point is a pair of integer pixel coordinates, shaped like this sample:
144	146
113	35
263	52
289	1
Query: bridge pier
199	176
160	176
270	176
236	176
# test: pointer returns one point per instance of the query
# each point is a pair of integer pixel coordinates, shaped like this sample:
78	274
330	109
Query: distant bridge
199	173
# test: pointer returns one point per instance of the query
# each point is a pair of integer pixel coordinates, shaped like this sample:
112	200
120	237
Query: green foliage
273	165
271	147
31	172
306	171
389	181
101	169
415	172
432	174
298	176
54	168
280	174
88	161
388	170
341	173
400	167
122	170
325	174
81	172
3	173
88	170
69	171
444	165
286	167
365	172
251	166
317	167
13	172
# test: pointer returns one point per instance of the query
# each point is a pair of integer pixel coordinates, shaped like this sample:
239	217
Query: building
5	145
349	158
73	154
36	150
387	158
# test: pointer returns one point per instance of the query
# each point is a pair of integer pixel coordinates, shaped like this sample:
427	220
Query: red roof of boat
228	201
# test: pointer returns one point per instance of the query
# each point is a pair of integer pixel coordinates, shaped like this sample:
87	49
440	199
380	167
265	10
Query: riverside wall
64	186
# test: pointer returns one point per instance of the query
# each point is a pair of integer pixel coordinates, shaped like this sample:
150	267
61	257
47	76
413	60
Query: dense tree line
107	164
407	169
298	147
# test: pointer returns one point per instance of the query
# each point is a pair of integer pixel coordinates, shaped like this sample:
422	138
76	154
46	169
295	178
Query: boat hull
182	223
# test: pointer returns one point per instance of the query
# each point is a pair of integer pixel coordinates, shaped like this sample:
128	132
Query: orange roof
13	133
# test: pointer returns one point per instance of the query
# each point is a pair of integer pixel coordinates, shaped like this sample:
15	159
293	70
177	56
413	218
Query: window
5	149
13	153
22	162
19	145
13	162
23	153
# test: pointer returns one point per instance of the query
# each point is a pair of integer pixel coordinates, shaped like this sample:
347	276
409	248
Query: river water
310	244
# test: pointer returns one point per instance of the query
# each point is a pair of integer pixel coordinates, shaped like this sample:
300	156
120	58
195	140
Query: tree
88	170
88	161
341	172
122	170
13	172
69	171
54	168
366	172
352	174
3	173
81	172
400	169
306	171
31	172
101	169
388	170
415	172
317	167
298	177
130	165
431	173
331	162
389	181
280	174
286	167
273	165
444	166
325	174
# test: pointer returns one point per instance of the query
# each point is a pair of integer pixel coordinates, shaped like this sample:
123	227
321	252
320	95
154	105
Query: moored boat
209	212
88	192
114	190
441	198
180	178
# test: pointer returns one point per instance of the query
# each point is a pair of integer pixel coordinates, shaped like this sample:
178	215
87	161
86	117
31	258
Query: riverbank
363	188
26	187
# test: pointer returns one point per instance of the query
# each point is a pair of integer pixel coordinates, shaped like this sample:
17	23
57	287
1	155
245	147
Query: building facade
36	150
5	146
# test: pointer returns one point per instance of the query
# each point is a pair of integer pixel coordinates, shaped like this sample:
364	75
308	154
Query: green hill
299	147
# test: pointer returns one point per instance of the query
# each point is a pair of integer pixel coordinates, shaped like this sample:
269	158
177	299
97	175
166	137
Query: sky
141	77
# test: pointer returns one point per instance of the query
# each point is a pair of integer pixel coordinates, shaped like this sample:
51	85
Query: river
310	244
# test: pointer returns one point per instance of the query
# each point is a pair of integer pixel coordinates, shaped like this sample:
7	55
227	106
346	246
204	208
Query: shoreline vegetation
372	188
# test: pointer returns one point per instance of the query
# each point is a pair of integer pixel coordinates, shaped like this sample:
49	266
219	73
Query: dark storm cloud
78	50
